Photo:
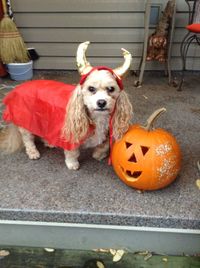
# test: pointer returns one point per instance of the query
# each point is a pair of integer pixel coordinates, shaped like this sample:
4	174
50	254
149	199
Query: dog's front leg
71	159
101	151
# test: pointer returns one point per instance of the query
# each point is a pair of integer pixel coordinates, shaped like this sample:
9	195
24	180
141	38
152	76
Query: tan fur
76	121
82	110
10	139
122	115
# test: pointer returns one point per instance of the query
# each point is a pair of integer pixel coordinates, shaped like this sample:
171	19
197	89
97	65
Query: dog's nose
101	103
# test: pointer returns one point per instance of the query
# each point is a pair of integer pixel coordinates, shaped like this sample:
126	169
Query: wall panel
55	28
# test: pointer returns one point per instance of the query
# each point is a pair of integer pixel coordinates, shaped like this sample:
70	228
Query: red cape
40	107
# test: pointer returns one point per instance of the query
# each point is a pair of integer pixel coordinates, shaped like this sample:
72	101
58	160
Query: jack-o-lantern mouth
132	175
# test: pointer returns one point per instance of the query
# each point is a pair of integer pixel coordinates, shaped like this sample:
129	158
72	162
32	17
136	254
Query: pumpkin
146	158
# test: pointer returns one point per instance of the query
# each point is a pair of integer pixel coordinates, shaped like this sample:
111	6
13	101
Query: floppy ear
76	120
122	115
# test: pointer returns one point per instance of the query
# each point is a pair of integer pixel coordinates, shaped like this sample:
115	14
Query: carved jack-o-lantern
147	159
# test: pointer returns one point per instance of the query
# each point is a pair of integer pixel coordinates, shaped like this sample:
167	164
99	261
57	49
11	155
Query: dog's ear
122	115
76	120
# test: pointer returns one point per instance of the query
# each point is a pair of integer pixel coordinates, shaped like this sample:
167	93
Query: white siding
55	28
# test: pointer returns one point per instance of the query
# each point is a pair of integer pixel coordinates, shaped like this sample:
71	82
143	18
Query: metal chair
192	36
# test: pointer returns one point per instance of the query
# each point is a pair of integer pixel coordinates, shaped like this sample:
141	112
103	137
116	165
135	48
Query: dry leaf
145	97
119	254
198	183
100	264
4	253
113	251
49	249
102	250
148	256
144	253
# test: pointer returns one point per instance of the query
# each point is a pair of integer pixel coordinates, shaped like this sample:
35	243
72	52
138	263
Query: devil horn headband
85	67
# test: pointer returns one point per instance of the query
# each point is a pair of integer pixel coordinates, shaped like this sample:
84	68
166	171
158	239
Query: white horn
81	61
120	71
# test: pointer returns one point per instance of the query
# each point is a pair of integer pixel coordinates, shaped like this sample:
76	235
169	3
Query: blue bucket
20	71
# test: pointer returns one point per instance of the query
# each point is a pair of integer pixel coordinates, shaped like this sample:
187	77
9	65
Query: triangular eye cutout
128	144
133	158
144	149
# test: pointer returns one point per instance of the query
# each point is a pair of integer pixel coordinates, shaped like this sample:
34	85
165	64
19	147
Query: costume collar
99	68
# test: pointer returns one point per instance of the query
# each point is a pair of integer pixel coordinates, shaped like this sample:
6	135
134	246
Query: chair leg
184	50
169	71
169	52
183	58
146	35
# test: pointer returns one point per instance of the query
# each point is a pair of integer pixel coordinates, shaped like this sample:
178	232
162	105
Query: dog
90	114
157	48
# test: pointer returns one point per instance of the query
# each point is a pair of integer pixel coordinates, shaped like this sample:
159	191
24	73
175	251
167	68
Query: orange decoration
146	158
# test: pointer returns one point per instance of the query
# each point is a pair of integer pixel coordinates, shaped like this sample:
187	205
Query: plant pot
20	71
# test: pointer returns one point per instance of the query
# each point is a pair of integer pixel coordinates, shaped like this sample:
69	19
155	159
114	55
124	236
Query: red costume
40	107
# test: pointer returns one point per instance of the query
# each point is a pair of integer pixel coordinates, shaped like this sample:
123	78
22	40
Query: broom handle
4	4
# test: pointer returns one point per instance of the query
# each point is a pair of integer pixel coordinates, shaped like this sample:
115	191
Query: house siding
55	28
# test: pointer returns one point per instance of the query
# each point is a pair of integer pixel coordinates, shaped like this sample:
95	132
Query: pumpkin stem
153	117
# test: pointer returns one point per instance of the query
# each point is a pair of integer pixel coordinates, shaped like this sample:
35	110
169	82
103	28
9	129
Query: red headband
99	68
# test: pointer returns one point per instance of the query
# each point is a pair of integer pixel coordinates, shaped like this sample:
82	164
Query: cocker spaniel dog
89	114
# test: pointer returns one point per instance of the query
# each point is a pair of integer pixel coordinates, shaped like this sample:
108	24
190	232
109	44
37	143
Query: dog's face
159	41
100	92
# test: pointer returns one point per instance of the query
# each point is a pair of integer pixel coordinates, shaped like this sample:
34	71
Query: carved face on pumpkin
146	160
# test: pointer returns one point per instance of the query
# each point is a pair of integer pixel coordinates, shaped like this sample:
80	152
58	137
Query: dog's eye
92	89
110	89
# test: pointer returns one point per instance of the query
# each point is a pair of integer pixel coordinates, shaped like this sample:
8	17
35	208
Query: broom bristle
8	25
12	46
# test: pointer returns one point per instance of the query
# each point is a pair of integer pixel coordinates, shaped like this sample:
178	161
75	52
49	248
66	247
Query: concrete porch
45	191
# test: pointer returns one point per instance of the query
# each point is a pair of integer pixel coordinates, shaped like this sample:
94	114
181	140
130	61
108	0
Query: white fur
81	111
101	122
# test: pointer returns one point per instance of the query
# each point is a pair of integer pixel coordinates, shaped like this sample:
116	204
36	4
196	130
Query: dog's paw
72	165
99	155
33	154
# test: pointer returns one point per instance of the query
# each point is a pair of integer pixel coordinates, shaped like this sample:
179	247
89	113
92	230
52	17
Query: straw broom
12	46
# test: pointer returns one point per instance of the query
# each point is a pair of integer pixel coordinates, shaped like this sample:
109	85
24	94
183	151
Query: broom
12	46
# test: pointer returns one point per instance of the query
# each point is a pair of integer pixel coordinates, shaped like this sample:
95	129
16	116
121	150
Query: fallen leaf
165	259
102	250
49	249
119	254
113	251
100	264
143	253
148	256
198	183
4	253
